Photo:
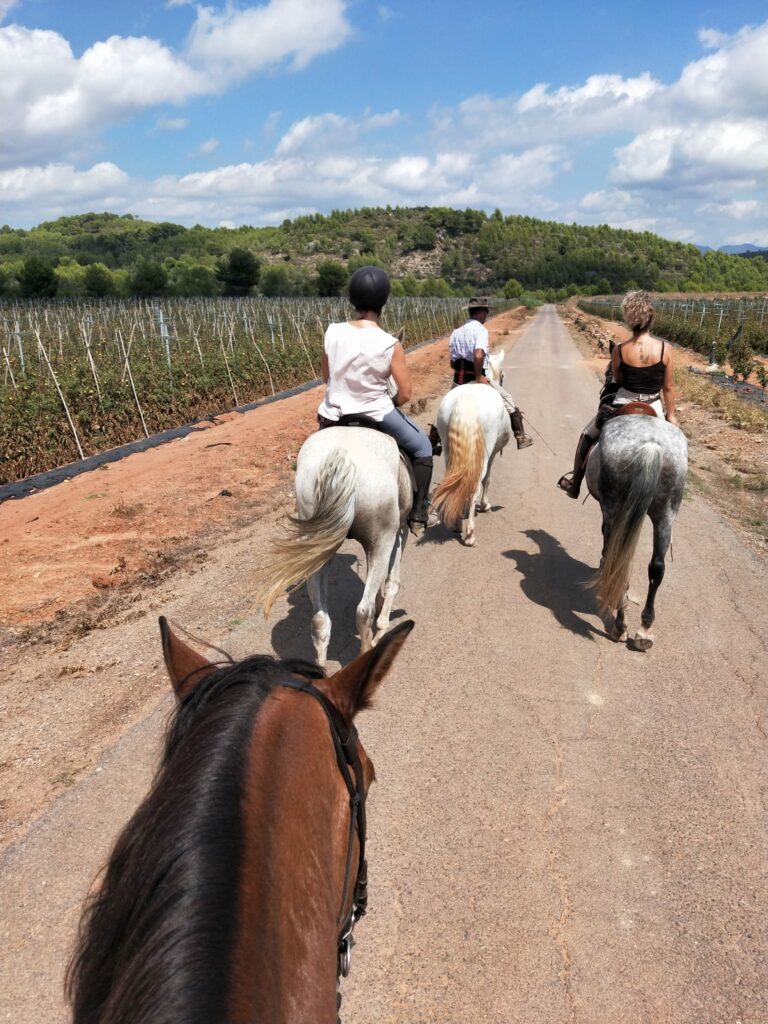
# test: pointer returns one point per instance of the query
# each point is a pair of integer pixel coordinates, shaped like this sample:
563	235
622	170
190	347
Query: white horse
350	482
474	427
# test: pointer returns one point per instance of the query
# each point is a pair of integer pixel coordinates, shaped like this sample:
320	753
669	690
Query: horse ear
186	666
353	687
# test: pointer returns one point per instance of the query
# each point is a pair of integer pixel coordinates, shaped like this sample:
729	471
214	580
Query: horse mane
155	939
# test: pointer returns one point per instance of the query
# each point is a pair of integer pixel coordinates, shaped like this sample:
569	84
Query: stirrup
523	441
566	481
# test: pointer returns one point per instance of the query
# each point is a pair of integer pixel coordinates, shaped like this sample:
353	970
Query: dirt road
562	830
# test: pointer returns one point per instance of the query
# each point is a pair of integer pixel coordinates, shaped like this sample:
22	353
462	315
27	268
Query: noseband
344	736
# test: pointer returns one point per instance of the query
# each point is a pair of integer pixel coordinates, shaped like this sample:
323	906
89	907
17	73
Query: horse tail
611	580
466	454
308	544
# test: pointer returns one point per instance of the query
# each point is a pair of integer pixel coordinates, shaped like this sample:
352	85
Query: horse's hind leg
317	585
378	566
662	535
392	582
468	535
484	505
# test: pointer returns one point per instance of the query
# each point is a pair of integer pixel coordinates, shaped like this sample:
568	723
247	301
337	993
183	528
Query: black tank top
643	380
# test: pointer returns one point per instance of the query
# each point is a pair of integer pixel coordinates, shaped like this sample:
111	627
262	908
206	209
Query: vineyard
701	323
81	377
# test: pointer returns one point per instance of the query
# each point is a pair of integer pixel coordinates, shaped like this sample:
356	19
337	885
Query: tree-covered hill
427	250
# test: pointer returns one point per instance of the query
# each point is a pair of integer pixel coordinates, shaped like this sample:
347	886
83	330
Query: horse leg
620	624
317	586
392	582
468	535
484	505
378	565
662	535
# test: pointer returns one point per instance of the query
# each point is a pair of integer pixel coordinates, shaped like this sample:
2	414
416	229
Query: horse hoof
484	508
643	641
619	636
469	542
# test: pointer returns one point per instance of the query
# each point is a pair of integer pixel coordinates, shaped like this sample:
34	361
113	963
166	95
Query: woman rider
358	360
643	370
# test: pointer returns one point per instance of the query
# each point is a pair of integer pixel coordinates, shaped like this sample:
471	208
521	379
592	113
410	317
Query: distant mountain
738	250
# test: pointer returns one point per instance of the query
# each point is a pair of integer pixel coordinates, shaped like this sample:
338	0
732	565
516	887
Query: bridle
344	736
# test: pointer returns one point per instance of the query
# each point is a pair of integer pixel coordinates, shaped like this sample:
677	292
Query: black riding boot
523	440
434	440
579	465
422	470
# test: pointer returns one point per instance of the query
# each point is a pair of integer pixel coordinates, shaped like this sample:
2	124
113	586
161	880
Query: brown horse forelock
163	936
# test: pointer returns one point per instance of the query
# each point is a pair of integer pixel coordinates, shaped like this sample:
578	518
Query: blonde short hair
637	310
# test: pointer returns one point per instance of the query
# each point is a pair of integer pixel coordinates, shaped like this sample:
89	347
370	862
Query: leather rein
344	736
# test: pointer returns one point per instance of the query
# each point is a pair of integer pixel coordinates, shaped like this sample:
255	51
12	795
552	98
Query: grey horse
638	468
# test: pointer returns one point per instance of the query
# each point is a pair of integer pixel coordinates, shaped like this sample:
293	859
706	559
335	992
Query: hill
428	250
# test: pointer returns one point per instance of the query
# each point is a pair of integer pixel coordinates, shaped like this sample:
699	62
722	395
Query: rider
469	362
358	360
641	370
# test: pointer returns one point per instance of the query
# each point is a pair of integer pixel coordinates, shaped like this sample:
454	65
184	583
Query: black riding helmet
369	288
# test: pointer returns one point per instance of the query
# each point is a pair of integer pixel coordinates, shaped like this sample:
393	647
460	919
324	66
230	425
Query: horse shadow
292	635
555	580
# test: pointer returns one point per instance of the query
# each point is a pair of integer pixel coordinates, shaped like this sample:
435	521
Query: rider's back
359	361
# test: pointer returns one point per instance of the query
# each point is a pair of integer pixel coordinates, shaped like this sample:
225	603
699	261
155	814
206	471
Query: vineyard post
130	375
720	321
165	338
20	345
9	369
61	394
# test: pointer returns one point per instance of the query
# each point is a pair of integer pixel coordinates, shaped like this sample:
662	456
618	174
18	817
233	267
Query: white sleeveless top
359	360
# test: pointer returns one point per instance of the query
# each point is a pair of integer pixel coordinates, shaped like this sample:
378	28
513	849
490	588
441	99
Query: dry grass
725	404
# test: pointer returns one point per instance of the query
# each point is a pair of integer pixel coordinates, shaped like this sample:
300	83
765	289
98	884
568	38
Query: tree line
427	251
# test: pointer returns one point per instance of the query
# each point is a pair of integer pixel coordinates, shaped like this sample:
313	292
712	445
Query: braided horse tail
308	544
465	453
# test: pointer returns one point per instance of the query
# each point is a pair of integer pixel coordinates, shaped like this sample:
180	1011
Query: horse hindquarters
466	462
624	508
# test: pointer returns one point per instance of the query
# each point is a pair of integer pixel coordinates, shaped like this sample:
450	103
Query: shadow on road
554	579
292	636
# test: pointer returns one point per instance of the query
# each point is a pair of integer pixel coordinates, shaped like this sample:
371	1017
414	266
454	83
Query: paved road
562	830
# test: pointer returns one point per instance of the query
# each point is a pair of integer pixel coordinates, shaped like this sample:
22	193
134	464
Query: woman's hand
671	418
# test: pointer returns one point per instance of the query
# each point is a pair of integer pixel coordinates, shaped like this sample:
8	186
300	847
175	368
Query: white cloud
209	146
695	154
5	7
237	42
733	79
329	132
55	184
53	103
711	38
171	124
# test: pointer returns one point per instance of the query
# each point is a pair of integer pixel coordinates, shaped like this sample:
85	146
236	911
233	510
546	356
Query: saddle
607	412
354	419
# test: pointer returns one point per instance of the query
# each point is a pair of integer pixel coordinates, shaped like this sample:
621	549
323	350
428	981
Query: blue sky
652	116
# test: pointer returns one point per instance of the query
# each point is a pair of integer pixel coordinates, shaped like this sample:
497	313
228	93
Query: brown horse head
225	894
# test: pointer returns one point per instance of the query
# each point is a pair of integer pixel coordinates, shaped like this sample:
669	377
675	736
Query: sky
650	116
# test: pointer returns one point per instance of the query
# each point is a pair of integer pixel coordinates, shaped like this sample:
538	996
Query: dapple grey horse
638	468
350	482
